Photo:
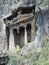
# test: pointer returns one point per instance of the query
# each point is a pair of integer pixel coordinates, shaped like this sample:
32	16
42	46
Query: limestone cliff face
42	16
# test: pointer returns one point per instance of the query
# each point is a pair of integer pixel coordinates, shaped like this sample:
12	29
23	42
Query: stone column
5	37
17	30
11	41
25	36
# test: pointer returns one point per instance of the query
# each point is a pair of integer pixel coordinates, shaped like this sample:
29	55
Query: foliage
46	2
43	56
3	53
33	56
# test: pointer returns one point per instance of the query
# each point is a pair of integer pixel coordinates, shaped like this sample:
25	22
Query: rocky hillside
36	53
31	54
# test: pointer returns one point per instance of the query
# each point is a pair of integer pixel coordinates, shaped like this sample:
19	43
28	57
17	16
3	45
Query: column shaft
25	36
11	41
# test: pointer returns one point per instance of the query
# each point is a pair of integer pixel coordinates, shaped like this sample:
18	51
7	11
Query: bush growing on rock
39	56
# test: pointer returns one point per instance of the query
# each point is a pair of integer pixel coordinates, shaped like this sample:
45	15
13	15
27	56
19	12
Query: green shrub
46	2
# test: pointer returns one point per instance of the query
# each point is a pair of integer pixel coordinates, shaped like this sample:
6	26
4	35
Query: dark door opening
21	31
15	37
28	32
7	35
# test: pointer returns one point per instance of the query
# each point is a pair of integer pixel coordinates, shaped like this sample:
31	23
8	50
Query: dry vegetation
39	56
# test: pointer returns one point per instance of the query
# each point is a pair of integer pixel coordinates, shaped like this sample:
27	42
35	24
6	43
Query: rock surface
42	17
